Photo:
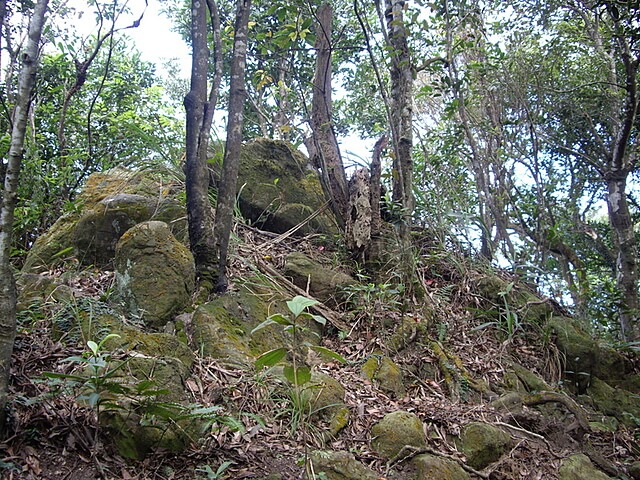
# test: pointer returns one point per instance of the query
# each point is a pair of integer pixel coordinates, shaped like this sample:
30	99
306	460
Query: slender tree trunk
325	152
401	73
231	162
627	261
197	177
7	281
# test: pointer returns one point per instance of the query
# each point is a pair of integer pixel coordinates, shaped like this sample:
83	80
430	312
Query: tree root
456	376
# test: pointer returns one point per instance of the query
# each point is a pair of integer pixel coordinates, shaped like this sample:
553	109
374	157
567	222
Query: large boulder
99	228
154	273
110	203
278	188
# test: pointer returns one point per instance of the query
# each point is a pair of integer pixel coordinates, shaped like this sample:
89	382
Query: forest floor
54	437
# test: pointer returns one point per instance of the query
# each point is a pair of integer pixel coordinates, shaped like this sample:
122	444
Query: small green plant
373	301
211	474
95	379
507	321
296	372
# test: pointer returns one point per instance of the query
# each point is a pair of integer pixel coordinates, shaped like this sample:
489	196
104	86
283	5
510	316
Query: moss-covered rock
385	373
518	378
579	467
55	245
616	402
483	444
324	283
109	203
579	350
340	466
154	274
325	397
278	189
99	228
634	470
430	467
396	430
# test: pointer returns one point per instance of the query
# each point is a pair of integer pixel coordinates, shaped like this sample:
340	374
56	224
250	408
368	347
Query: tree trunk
197	178
7	281
231	162
325	153
401	73
626	263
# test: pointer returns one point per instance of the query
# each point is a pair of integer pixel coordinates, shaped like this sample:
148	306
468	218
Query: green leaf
298	304
319	319
298	376
280	319
328	353
270	358
93	346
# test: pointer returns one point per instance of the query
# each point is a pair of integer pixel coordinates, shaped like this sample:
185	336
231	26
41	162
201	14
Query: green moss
483	444
430	467
396	430
616	402
53	246
579	467
385	373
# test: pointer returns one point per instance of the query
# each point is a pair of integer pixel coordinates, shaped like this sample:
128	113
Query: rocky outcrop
385	373
154	273
278	189
110	203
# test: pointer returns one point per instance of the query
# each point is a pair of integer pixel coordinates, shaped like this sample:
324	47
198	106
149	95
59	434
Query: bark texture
231	162
324	149
401	120
197	138
9	198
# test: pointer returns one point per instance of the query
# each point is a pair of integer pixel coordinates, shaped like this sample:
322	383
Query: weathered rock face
483	444
154	274
340	466
112	202
430	467
396	430
324	283
579	467
98	230
278	188
385	373
222	327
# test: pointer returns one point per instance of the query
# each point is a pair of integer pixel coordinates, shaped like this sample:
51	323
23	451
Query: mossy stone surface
53	246
110	203
396	430
431	467
338	465
278	189
483	444
580	351
154	273
98	230
385	373
324	283
616	402
579	467
222	328
325	397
